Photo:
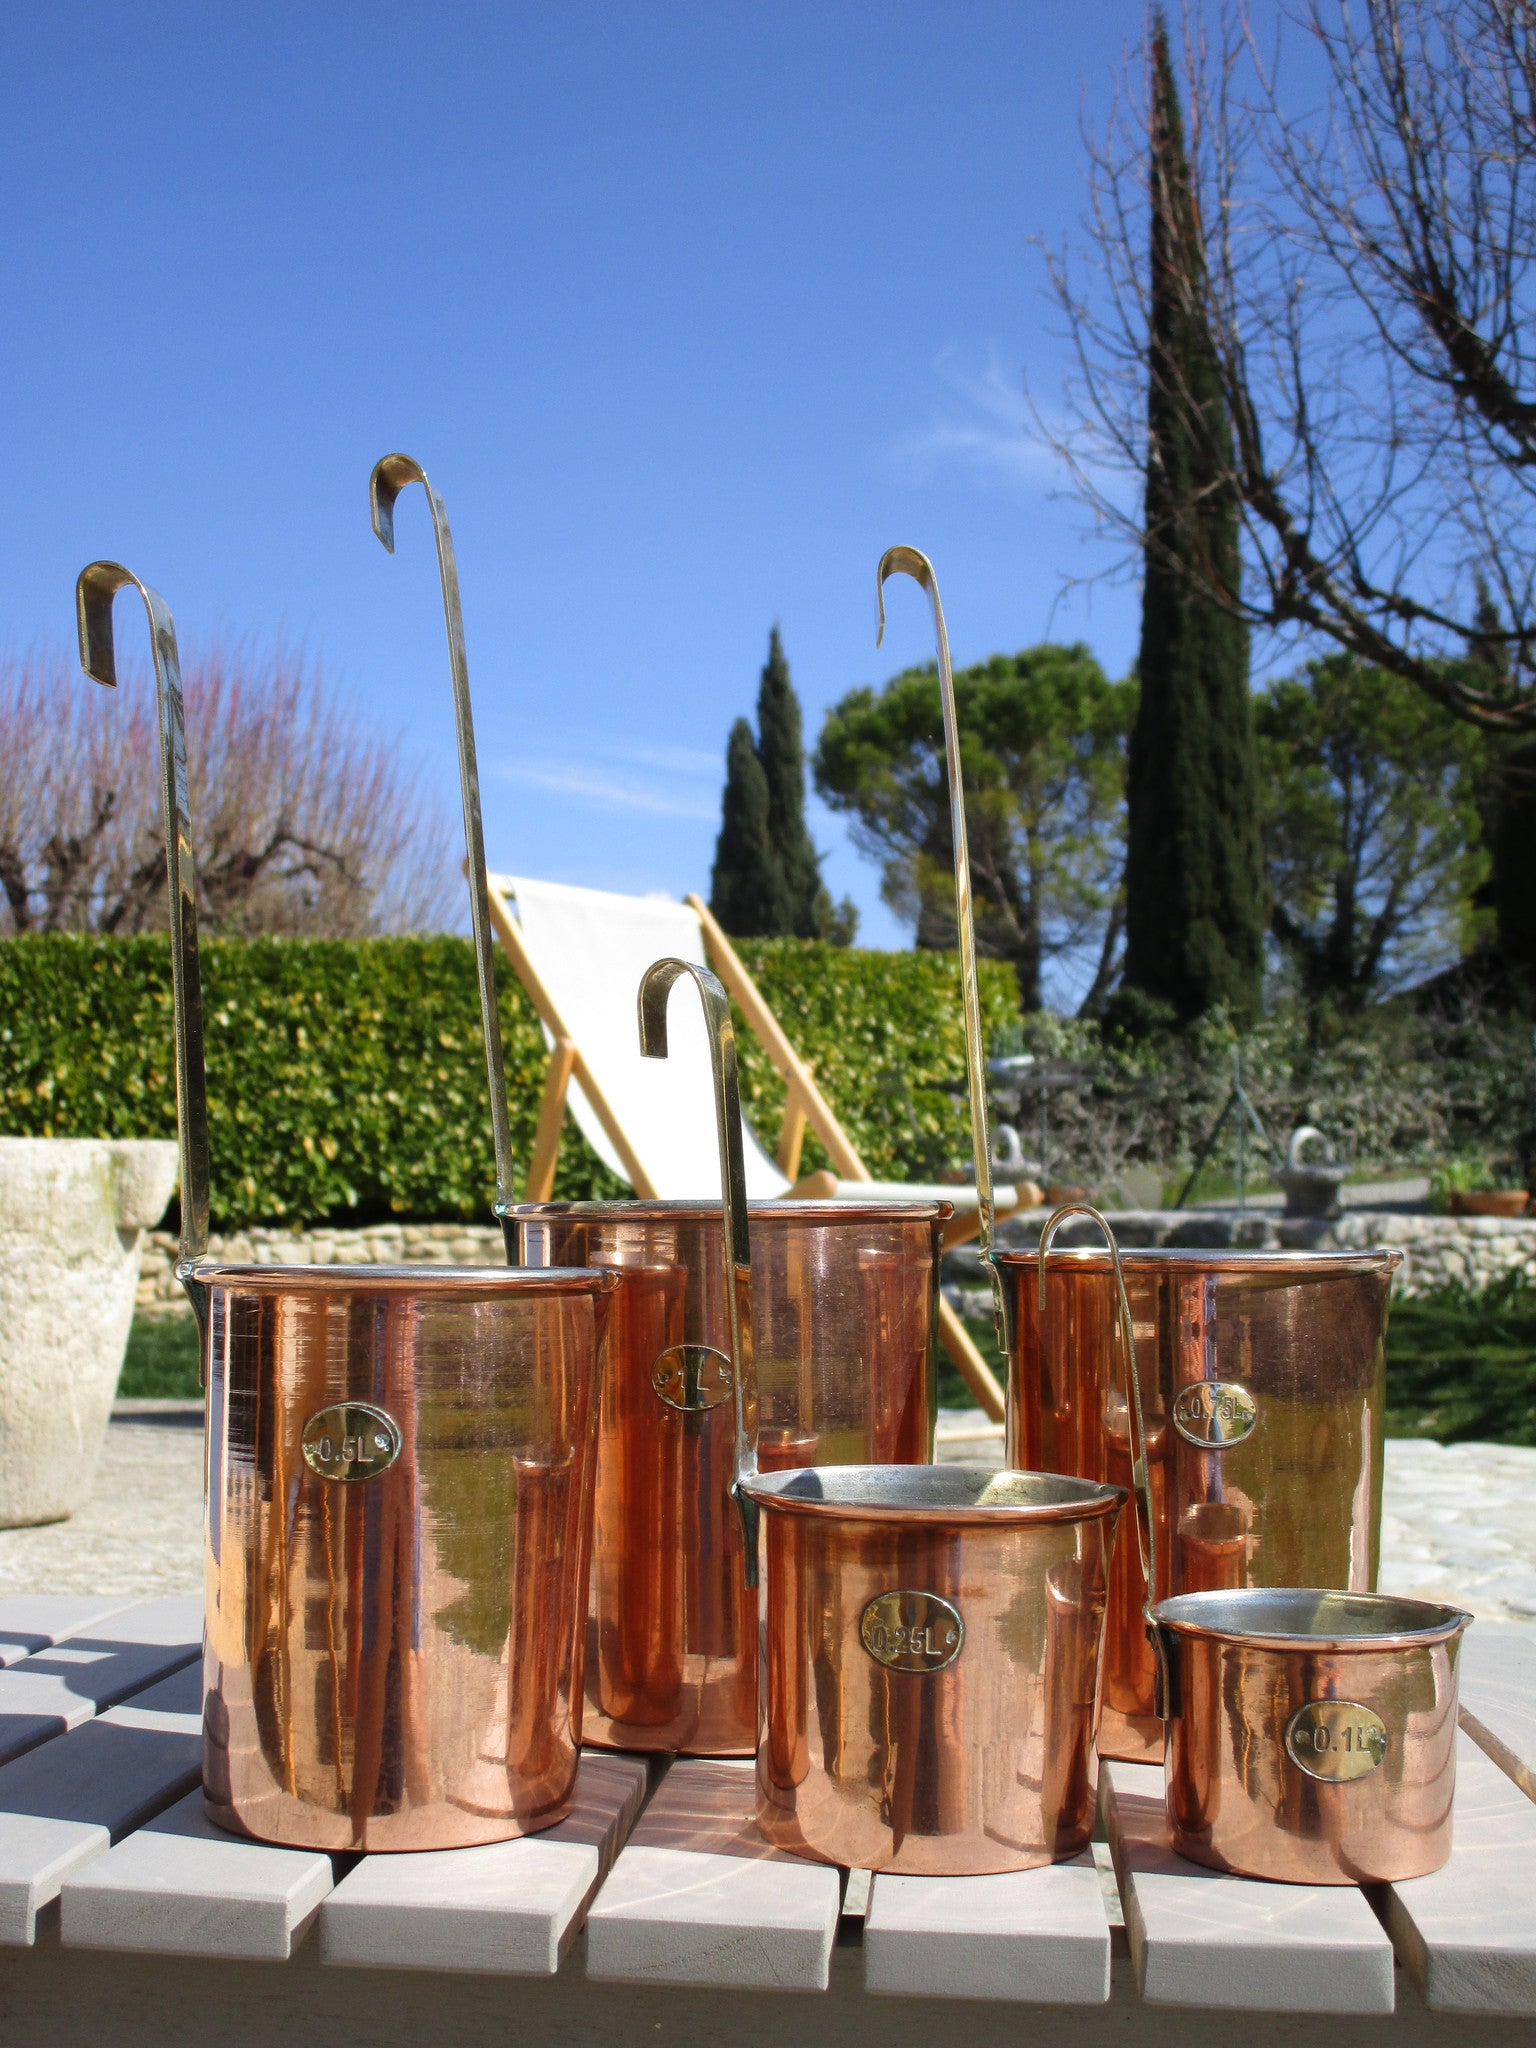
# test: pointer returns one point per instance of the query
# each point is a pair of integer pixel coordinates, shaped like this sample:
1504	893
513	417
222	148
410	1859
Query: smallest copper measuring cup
1309	1734
931	1634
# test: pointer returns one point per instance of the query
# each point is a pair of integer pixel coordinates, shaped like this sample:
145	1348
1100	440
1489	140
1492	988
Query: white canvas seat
580	954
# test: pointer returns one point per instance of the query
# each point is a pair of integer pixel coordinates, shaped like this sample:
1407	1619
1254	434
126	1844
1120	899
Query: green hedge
346	1080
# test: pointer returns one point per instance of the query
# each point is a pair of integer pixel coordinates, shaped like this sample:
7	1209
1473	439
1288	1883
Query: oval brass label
1214	1413
353	1440
911	1631
1335	1740
693	1376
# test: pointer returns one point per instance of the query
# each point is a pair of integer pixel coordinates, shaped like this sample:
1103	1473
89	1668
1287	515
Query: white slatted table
510	1907
698	1897
698	1925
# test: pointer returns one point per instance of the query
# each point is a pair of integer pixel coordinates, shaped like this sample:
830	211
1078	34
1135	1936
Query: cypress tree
746	888
781	749
1194	870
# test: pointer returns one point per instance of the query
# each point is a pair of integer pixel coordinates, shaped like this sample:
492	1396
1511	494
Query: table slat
1200	1937
1040	1937
60	1686
508	1907
1498	1698
698	1897
33	1621
1467	1934
181	1886
64	1804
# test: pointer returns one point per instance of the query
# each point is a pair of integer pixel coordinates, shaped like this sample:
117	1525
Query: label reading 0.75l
353	1440
1214	1413
911	1631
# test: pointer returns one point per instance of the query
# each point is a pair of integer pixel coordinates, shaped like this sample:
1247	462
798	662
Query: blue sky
688	312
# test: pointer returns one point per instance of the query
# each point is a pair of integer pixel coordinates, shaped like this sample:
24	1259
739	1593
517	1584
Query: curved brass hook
655	988
912	562
390	476
95	589
1141	1476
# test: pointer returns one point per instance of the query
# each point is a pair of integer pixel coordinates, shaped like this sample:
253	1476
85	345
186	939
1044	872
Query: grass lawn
1460	1367
161	1363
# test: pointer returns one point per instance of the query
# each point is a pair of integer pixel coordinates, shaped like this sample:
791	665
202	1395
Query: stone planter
71	1214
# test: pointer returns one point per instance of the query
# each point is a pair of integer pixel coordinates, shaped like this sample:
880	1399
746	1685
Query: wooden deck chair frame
805	1108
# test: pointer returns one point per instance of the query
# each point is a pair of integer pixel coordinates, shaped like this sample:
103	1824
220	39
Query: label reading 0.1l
690	1377
353	1440
911	1631
1336	1740
1214	1413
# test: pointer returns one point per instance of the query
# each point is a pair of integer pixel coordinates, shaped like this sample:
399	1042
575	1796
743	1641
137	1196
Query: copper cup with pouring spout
399	1459
1263	1377
930	1633
1311	1735
843	1315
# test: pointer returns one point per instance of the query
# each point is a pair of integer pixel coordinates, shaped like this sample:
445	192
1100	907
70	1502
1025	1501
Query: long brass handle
95	590
902	561
391	475
655	988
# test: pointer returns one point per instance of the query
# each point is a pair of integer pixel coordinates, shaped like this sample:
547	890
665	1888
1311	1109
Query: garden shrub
346	1080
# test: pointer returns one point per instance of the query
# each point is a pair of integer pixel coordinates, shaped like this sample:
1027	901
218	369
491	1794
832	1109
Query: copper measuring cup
399	1459
930	1632
843	1318
1310	1734
1263	1378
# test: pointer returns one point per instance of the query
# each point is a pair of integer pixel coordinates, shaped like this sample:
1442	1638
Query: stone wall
1470	1250
384	1244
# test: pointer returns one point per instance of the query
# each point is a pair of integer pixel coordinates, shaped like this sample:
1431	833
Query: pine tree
746	888
1194	872
781	749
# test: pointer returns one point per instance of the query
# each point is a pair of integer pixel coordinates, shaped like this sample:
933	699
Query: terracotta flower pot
1490	1202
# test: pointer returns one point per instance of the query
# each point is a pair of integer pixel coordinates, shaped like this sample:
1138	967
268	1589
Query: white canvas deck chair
580	954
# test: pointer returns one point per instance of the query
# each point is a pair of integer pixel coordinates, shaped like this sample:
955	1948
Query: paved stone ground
1459	1522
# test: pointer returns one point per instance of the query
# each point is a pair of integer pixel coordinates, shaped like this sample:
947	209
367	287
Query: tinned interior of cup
934	1492
1287	1615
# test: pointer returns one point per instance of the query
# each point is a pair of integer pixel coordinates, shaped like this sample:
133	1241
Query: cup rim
933	1494
1311	1618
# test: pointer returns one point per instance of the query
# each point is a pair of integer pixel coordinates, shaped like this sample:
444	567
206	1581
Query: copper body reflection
1268	1474
1264	1778
843	1317
955	1758
394	1660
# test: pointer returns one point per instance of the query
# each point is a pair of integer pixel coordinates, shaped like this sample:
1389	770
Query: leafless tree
1371	294
304	823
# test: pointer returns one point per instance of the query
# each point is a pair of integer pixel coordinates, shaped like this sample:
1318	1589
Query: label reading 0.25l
1336	1739
353	1440
911	1631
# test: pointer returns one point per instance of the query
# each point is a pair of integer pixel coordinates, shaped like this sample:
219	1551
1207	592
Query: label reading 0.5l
911	1631
1214	1413
353	1440
1336	1739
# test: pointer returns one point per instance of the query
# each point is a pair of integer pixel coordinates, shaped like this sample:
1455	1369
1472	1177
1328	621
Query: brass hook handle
902	561
1141	1480
390	477
655	989
95	589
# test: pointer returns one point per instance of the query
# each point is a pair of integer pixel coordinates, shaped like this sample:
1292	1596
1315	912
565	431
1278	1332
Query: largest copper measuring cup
843	1317
1264	1381
399	1461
